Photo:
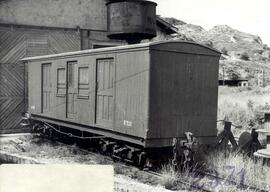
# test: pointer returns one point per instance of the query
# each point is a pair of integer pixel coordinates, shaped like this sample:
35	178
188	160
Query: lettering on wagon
127	123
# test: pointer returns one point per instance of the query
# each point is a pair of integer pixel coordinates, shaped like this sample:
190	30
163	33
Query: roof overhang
167	27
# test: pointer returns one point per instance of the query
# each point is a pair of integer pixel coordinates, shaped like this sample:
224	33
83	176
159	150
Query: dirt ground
126	178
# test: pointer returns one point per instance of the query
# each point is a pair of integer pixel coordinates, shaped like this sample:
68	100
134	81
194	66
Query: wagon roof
149	45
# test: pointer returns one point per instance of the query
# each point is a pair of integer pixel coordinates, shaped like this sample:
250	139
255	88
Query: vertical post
262	78
174	160
223	75
268	142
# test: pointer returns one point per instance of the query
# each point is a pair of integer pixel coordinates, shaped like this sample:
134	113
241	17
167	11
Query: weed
169	176
243	106
240	168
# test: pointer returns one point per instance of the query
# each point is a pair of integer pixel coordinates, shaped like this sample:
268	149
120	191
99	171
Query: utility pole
261	78
223	75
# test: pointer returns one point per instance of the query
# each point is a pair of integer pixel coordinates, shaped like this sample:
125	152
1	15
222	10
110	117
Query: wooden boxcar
144	94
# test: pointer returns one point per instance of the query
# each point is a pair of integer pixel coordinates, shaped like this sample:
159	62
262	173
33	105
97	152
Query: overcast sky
252	16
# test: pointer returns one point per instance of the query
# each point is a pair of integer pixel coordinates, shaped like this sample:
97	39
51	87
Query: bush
244	56
224	51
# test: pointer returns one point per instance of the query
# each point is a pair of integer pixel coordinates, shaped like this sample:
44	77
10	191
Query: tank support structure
225	136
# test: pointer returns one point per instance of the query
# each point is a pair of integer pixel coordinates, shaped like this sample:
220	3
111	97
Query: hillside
243	55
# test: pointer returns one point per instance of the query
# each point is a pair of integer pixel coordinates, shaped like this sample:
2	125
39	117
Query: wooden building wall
86	14
15	44
38	27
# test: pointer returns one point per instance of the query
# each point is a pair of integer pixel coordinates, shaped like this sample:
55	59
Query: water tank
131	20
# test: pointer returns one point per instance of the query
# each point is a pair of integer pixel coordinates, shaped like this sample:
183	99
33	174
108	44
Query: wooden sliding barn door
17	42
104	92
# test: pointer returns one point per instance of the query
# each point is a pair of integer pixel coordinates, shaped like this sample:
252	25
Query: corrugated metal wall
15	44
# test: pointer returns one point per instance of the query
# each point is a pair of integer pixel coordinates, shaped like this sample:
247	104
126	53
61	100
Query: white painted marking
127	123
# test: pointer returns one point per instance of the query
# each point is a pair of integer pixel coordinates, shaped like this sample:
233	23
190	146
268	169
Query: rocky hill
244	55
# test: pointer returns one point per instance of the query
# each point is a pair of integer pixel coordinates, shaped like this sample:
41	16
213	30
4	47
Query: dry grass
235	166
243	106
169	176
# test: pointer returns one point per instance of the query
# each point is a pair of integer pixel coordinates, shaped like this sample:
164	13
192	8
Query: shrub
224	51
244	56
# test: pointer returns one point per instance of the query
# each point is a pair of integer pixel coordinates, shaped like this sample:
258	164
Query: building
233	82
36	27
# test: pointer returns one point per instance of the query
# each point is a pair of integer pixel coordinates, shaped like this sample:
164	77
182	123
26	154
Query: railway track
191	185
241	186
182	181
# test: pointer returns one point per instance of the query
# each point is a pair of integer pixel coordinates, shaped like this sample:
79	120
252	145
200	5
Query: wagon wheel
114	153
144	162
104	148
147	164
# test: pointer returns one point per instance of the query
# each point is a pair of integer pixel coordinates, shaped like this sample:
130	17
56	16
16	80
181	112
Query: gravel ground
127	178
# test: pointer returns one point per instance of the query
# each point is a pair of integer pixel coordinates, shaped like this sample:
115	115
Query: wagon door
72	90
46	88
104	92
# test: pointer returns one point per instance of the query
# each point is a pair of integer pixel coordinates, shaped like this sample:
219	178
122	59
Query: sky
251	16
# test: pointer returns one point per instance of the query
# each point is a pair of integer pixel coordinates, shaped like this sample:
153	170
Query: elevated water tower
131	20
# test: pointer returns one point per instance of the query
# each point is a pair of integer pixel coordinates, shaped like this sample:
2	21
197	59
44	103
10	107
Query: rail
193	185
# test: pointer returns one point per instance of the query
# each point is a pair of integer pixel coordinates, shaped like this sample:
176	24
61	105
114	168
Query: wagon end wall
183	92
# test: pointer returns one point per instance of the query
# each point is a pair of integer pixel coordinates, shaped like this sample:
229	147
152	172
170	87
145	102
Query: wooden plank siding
183	91
15	44
12	102
160	90
122	84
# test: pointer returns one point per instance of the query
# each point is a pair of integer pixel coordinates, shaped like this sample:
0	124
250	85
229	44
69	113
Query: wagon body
144	94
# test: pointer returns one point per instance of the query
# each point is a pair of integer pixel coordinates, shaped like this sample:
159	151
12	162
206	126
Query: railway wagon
143	95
